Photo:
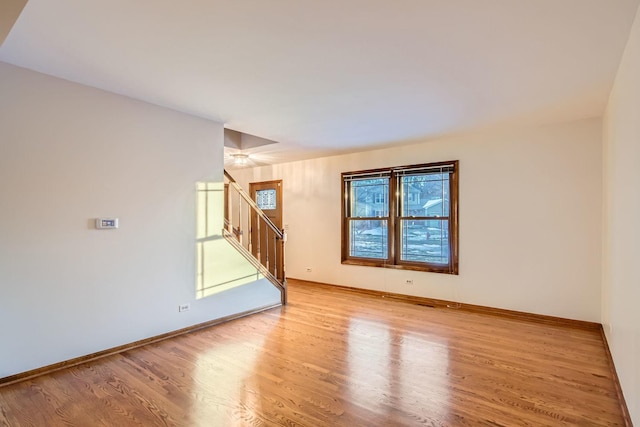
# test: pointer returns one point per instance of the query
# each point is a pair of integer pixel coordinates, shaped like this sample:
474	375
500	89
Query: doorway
264	244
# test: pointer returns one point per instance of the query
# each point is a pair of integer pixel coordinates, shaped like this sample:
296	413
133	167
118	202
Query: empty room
336	213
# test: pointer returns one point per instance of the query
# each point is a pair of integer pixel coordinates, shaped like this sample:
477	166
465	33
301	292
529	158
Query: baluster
275	255
240	220
259	249
267	251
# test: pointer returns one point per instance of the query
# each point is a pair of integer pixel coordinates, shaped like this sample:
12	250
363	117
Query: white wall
530	219
69	154
621	269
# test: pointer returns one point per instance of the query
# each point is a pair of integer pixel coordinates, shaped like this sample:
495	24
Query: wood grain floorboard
337	358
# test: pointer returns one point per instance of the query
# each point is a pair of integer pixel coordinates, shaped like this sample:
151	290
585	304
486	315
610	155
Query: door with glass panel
264	244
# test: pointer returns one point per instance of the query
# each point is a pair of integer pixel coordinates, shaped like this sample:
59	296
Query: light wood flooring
337	358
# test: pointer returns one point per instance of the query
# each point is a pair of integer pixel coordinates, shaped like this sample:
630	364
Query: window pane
425	195
370	198
368	238
424	241
266	199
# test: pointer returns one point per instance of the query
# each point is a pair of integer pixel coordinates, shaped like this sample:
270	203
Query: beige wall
530	219
69	154
621	271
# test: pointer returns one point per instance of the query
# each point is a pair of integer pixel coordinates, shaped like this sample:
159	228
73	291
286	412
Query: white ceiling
336	75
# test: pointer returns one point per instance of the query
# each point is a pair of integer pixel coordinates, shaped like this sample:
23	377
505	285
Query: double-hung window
402	217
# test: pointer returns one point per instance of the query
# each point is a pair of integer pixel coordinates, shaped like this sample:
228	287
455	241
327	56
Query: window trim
394	220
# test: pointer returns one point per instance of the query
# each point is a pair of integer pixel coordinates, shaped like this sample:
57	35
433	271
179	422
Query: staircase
248	229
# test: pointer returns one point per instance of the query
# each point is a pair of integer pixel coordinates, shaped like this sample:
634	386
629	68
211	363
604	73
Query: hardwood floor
337	358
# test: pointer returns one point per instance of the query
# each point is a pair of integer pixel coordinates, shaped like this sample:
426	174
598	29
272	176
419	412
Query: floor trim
27	375
616	380
438	303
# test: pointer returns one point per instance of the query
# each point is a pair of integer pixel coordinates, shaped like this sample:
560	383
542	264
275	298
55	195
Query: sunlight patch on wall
219	266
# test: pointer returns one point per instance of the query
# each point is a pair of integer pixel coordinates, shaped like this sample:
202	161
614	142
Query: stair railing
248	229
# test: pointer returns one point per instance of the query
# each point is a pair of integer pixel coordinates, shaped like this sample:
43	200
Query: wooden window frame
394	221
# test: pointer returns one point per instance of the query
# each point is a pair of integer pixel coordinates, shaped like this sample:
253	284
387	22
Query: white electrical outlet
408	282
184	307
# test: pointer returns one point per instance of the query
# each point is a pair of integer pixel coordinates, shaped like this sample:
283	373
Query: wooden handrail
279	233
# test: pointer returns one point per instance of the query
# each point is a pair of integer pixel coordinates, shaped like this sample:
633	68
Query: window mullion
394	200
397	212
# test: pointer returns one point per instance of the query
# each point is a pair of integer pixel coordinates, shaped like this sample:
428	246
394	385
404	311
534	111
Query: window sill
445	269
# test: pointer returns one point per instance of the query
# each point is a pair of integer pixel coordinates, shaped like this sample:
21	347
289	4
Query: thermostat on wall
106	223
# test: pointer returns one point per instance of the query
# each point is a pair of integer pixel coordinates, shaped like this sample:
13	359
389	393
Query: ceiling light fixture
240	159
